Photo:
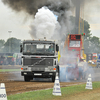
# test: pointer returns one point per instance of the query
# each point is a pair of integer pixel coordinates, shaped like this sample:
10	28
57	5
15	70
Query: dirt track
15	85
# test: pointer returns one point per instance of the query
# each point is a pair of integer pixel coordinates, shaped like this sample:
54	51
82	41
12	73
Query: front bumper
39	74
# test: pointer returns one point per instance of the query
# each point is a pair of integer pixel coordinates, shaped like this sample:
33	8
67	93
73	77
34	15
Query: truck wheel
31	78
53	78
26	78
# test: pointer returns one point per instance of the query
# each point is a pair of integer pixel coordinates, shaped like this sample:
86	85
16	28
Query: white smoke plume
44	24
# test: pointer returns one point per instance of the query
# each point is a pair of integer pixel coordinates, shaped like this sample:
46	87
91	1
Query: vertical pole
9	41
77	17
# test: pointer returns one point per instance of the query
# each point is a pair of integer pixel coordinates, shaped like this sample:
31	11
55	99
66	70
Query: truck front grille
38	68
38	61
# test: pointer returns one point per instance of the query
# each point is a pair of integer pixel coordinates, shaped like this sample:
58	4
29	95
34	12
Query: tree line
91	43
12	45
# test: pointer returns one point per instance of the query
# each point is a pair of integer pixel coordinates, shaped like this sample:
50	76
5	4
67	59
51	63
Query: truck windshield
74	44
38	49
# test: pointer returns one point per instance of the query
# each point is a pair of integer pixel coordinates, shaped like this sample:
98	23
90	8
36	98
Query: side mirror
57	47
21	48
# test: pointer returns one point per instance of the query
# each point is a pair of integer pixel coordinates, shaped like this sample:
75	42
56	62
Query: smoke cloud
44	24
61	8
29	6
58	7
32	6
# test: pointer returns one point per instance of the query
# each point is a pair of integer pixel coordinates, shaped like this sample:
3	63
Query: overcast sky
19	25
92	15
15	22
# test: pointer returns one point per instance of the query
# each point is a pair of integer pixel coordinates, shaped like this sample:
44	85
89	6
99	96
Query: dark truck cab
39	59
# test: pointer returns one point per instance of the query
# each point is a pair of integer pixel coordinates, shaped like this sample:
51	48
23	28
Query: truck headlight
50	69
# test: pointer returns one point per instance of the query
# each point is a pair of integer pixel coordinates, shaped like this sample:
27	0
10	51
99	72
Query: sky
92	15
19	23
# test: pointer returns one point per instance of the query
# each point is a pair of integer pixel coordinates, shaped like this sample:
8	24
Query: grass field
9	70
77	92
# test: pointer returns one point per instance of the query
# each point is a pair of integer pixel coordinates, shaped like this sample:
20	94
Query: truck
74	57
39	59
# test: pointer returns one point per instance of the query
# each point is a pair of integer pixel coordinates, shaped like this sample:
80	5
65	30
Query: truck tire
27	78
31	78
53	78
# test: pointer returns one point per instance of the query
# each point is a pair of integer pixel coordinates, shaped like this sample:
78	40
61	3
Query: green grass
47	94
9	70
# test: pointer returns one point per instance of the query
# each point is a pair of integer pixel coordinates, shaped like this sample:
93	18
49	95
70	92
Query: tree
86	26
95	44
91	44
12	45
1	45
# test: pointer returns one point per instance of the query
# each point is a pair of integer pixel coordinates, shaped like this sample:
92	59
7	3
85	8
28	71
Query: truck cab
39	59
